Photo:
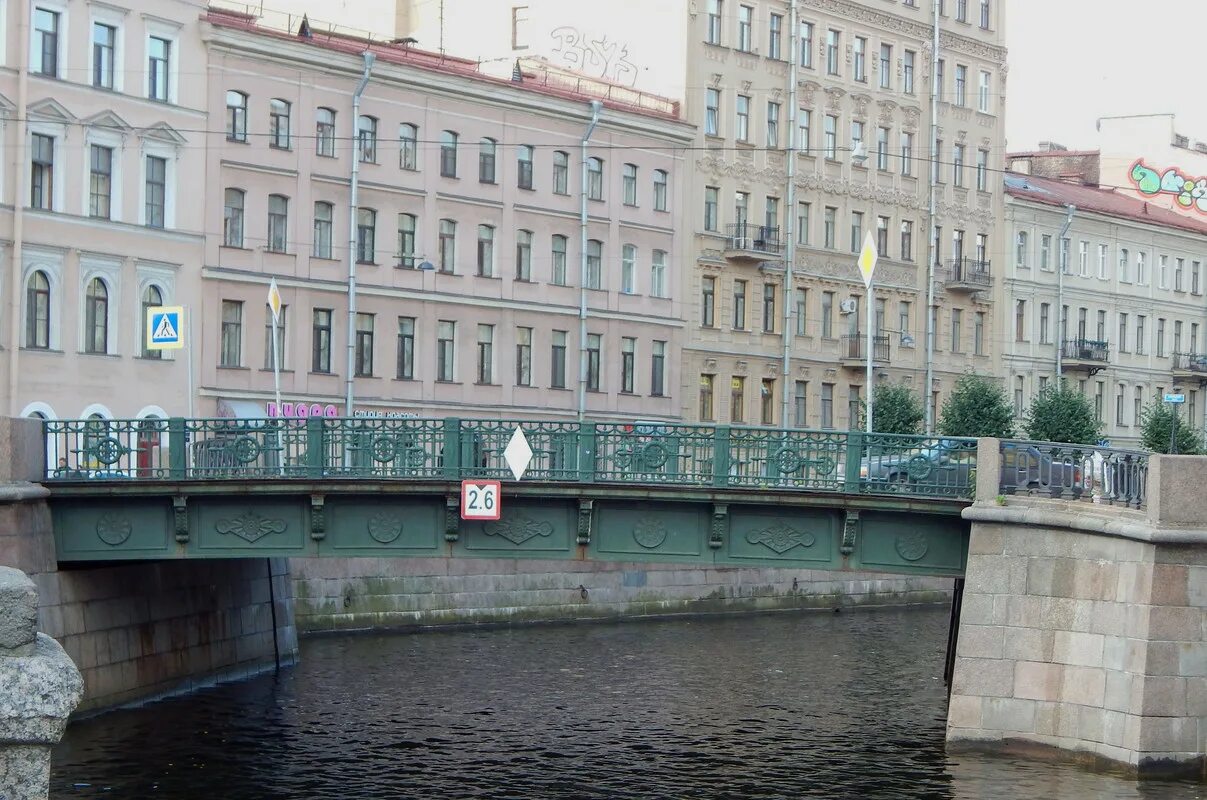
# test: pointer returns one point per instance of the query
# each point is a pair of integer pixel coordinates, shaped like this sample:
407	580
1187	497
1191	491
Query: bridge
691	494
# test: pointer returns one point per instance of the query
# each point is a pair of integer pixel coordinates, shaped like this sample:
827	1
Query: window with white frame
660	181
278	223
448	153
104	55
366	139
232	218
447	246
42	168
712	112
741	130
324	132
595	178
37	310
96	317
983	92
628	184
658	274
628	268
155	213
407	224
152	297
366	236
45	52
159	68
486	251
557	254
323	213
523	255
278	123
408	146
524	156
236	116
773	124
100	181
594	264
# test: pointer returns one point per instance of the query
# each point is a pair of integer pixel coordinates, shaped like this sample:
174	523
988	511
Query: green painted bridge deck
692	494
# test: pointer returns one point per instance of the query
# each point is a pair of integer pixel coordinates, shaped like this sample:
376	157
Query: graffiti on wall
1188	192
594	55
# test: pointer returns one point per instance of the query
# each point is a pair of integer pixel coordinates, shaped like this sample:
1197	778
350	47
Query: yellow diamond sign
867	259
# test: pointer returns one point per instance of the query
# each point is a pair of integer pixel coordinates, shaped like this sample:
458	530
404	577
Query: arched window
487	148
278	223
94	431
660	180
151	298
96	317
324	132
524	166
278	123
37	311
236	116
448	154
232	218
595	178
408	146
366	235
366	137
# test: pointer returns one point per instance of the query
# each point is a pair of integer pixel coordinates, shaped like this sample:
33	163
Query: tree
1060	413
1155	422
977	407
896	409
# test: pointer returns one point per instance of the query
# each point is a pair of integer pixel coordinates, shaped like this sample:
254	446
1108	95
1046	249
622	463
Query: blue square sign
165	328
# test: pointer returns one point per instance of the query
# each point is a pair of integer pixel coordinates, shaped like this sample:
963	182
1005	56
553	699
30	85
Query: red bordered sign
480	500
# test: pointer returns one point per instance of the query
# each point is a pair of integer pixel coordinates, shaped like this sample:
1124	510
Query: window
231	352
856	231
882	224
366	139
45	58
1177	337
486	354
1018	395
561	172
856	136
629	184
523	255
278	124
406	348
278	223
707	412
767	402
324	132
159	57
1122	332
827	406
658	274
1045	252
96	317
956	331
446	338
775	37
1044	313
519	27
854	407
151	298
594	264
907	240
985	14
557	373
800	404
41	187
708	301
802	222
830	224
830	137
1163	271
1020	320
366	236
882	135
595	178
523	356
658	369
363	350
961	10
559	260
1138	405
769	308
712	112
1119	406
406	240
487	150
773	124
100	182
321	247
907	76
37	311
486	251
156	191
628	268
1179	269
711	196
861	59
939	79
628	354
408	148
660	178
320	340
832	39
741	204
1102	267
1195	270
771	215
232	218
978	333
961	85
1194	338
447	246
827	315
907	154
745	19
957	165
1160	338
737	399
806	44
982	92
281	327
886	66
742	127
237	116
713	35
739	305
104	44
1020	249
982	170
903	323
523	173
1142	269
1140	340
594	345
804	122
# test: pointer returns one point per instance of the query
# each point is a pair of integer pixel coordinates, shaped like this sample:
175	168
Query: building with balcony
1127	322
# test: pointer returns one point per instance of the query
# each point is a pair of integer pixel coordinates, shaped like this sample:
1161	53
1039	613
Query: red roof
1111	202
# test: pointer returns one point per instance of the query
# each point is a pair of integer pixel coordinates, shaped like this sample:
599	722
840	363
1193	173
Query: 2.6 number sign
480	500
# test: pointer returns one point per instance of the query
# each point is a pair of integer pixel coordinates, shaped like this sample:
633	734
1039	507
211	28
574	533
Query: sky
1073	61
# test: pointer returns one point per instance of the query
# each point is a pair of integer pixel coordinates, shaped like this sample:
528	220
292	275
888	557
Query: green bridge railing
717	456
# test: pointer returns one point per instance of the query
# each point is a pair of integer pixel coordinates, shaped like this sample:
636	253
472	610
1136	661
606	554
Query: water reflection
784	706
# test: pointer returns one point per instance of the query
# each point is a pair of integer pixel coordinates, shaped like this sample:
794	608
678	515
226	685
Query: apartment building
1125	323
466	238
104	125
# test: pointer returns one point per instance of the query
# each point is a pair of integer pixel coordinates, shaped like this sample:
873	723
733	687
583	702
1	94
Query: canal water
844	705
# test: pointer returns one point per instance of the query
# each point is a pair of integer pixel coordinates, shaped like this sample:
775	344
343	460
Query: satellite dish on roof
427	265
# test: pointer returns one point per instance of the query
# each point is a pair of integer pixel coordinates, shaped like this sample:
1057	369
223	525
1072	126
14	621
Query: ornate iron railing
1075	472
916	465
748	237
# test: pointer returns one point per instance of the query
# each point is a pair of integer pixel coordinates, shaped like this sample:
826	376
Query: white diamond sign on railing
518	454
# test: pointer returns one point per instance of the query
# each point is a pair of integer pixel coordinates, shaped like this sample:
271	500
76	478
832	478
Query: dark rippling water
813	705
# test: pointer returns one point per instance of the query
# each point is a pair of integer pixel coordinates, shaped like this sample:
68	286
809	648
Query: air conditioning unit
848	306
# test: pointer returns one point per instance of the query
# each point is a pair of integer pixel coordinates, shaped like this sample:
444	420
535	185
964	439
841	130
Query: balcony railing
968	273
758	240
854	344
1089	351
1190	363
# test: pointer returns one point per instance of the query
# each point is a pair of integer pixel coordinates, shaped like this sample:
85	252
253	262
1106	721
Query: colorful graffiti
1188	192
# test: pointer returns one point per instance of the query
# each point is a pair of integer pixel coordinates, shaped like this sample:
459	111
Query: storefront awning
241	409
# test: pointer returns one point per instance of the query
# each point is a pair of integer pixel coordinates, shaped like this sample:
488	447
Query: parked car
947	464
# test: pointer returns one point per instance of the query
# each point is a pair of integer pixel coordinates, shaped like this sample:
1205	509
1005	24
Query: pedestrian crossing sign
165	328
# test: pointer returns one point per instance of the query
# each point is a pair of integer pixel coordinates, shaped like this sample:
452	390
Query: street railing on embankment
1074	472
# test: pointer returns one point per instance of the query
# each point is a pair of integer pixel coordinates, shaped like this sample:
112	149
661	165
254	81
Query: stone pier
1083	631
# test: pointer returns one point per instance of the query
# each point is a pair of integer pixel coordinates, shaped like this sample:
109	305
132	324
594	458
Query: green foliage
1060	413
977	407
896	409
1155	422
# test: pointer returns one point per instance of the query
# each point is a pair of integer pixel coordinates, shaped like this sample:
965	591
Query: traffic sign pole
1174	400
867	267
